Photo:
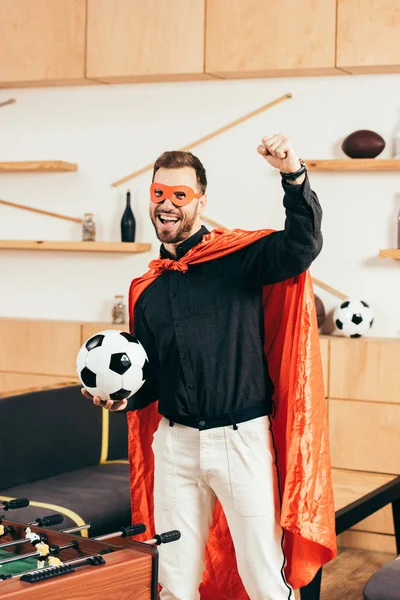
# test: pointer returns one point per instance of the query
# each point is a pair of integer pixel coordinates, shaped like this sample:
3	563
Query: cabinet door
349	486
250	38
39	347
133	40
42	41
365	369
368	36
364	436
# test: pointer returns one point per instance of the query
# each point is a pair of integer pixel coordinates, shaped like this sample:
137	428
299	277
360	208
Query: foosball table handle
50	520
14	504
167	537
133	530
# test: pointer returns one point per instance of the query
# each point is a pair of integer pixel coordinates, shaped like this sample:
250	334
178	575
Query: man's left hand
278	150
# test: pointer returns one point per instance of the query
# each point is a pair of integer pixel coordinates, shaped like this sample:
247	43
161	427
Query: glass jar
88	228
118	311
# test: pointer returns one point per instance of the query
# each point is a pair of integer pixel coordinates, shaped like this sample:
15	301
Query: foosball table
39	563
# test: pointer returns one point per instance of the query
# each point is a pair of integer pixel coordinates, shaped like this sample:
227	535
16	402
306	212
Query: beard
180	231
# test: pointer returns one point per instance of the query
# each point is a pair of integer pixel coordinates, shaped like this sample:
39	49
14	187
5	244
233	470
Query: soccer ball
353	318
112	364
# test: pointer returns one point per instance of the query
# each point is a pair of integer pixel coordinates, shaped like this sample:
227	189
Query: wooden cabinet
42	41
368	36
249	38
39	347
364	417
365	436
375	532
10	383
61	42
366	369
132	40
38	353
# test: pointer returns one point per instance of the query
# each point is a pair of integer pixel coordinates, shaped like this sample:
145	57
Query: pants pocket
253	475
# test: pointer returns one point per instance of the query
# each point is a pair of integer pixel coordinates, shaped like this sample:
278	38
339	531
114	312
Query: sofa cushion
385	583
49	432
98	495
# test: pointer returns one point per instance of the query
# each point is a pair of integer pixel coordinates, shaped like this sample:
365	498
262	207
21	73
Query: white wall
112	130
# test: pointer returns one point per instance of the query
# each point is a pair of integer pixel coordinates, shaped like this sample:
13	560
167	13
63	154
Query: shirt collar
186	245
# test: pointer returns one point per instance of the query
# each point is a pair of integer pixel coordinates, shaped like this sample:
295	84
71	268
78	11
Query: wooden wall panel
368	34
131	40
249	38
364	436
42	40
365	369
39	347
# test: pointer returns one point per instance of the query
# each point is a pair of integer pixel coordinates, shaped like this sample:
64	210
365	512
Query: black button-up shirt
203	329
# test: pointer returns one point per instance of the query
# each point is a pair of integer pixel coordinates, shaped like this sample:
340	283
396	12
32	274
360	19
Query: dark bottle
128	223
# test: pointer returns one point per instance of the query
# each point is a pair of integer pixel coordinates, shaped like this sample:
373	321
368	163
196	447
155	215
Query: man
200	317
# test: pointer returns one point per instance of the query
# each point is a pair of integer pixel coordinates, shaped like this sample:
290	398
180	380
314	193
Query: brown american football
320	309
363	144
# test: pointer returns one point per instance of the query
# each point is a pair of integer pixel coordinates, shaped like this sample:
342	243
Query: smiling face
174	224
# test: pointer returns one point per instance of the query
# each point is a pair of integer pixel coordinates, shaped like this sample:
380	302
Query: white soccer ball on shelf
112	364
353	318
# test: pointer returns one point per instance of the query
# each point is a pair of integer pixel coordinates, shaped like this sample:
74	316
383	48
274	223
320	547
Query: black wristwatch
295	174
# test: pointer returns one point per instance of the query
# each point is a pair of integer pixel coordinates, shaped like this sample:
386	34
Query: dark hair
176	159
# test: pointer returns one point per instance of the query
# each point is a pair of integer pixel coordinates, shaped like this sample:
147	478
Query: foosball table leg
396	522
154	577
163	538
312	591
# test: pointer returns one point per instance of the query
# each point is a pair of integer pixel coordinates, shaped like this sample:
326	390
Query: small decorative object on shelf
118	311
353	318
88	228
128	223
363	144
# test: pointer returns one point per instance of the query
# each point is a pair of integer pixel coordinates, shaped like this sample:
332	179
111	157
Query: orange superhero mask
180	195
299	427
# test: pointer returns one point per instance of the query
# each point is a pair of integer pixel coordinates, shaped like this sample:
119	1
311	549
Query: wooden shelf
38	166
114	247
390	253
354	164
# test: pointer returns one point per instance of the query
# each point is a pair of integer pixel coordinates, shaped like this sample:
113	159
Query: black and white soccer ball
112	364
353	318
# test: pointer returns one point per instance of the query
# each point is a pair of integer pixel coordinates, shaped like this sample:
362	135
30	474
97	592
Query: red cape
299	428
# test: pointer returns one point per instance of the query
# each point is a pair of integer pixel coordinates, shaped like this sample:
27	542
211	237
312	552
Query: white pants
192	469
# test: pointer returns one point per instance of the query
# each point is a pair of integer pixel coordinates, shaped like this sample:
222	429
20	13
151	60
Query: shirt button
183	356
177	324
173	295
190	387
202	423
